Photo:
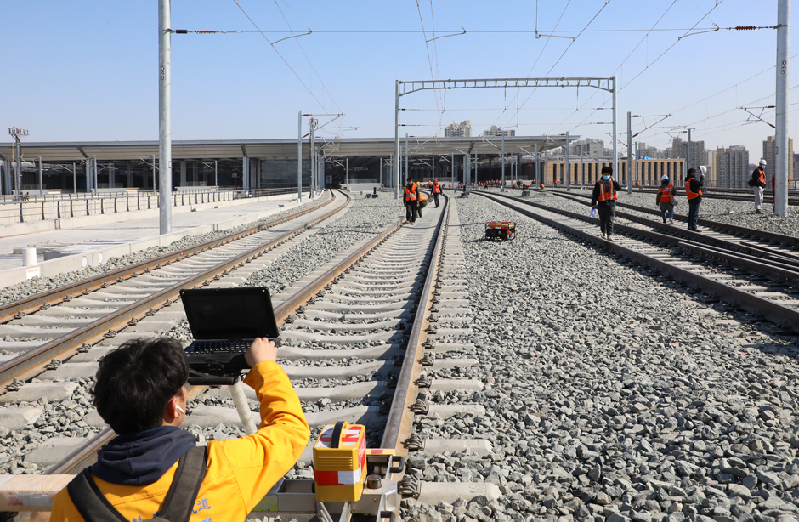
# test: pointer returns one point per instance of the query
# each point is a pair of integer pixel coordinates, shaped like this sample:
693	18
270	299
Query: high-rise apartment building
496	131
711	176
771	164
459	130
588	148
679	149
732	167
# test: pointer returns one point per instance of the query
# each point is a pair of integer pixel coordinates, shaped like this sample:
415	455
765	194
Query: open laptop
224	322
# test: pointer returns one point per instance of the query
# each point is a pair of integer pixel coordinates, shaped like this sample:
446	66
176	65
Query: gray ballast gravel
612	393
38	285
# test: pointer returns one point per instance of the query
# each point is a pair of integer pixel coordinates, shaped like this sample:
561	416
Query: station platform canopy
285	149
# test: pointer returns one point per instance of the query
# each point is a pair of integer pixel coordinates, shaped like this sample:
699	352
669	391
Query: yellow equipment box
339	460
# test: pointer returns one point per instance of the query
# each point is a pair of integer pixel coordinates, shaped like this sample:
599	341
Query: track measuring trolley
500	230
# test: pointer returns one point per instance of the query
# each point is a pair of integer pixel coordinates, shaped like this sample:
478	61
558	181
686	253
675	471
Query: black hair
135	382
691	172
607	170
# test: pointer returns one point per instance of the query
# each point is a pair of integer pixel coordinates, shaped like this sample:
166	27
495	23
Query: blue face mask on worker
606	177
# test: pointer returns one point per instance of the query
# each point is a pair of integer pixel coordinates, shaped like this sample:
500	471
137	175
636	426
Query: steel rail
400	418
774	312
86	454
35	302
771	237
31	362
719	194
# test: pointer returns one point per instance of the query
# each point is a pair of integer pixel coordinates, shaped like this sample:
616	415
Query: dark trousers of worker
410	211
693	212
435	198
606	214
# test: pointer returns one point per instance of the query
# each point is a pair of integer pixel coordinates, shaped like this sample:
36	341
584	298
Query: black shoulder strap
182	494
177	507
89	500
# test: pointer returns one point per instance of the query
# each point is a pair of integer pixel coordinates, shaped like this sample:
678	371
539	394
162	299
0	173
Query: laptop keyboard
210	347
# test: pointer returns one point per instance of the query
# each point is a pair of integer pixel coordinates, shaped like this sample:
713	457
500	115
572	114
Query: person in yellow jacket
140	392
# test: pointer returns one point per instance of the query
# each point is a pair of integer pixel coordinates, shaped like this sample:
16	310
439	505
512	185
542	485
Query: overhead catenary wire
705	15
566	51
272	45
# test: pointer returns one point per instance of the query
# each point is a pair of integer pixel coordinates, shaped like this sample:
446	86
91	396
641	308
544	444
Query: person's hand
261	349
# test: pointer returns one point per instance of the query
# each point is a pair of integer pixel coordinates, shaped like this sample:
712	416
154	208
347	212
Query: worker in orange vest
758	183
436	188
421	199
665	199
693	191
411	193
603	199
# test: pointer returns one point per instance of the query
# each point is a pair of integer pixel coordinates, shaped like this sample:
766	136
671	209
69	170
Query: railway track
732	195
752	274
352	342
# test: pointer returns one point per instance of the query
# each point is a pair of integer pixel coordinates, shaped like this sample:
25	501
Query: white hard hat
664	178
763	162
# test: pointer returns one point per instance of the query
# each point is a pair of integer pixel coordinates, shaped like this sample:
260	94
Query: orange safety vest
762	177
606	196
436	188
665	192
410	193
688	193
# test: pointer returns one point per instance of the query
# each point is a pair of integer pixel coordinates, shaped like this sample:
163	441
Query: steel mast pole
781	151
313	161
629	152
568	164
165	114
502	168
18	168
299	157
396	139
406	157
615	138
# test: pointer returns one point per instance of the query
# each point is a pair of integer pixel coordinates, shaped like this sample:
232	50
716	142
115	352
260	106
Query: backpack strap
89	500
177	506
182	494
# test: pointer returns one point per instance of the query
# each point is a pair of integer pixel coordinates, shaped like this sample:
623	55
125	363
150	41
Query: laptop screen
229	313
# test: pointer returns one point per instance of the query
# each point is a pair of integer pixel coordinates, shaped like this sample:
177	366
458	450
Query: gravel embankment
612	393
38	285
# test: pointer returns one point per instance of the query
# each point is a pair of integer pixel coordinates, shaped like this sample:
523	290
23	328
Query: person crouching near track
693	192
141	392
604	200
665	199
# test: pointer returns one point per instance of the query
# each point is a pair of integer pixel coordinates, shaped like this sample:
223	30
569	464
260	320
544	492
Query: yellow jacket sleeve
240	471
258	461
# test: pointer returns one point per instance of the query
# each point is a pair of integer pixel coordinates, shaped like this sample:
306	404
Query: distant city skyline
90	73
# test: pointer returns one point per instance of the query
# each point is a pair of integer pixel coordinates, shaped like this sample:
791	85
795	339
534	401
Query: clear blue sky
79	71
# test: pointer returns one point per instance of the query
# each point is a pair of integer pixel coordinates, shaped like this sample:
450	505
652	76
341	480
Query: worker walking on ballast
693	192
411	192
603	199
665	199
436	190
758	183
